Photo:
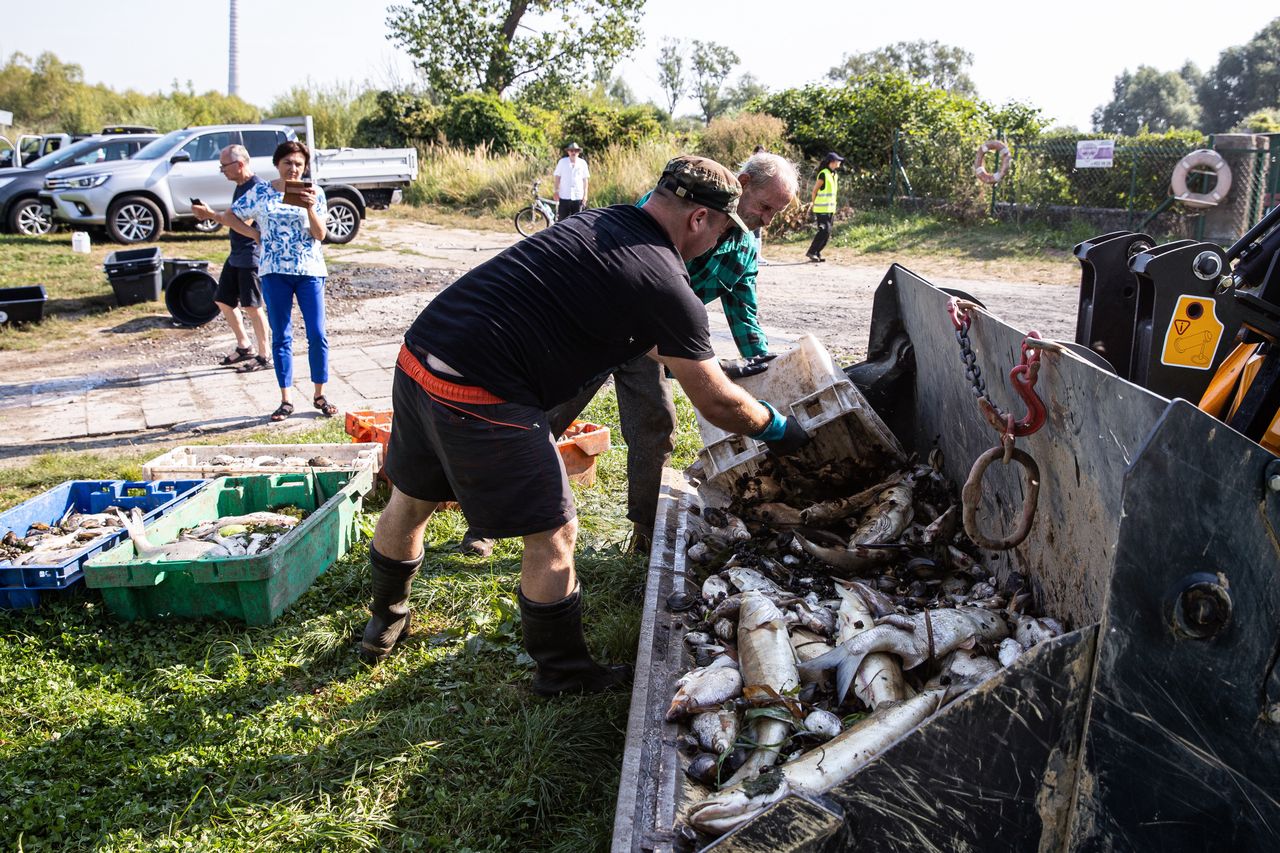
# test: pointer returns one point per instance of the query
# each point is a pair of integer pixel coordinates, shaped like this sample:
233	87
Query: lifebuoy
980	162
1203	158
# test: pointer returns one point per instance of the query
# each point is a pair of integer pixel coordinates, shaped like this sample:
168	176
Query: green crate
256	589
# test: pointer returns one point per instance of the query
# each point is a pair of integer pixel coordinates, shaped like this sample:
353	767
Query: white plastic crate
194	462
806	383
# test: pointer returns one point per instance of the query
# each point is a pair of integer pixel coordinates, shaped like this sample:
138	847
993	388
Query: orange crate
580	444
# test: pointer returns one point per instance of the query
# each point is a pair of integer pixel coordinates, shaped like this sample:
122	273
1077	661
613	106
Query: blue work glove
737	368
784	435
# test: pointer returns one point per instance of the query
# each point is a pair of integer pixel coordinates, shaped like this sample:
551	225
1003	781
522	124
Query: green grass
214	736
893	233
80	298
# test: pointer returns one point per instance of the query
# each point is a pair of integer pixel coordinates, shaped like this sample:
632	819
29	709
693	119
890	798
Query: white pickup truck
139	198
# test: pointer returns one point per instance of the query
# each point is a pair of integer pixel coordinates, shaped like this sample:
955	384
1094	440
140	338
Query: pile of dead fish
226	460
811	586
229	536
52	544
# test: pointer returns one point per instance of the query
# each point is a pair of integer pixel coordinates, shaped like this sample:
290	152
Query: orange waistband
437	387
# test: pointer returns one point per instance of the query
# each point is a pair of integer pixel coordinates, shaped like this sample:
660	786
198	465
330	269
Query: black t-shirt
244	250
569	304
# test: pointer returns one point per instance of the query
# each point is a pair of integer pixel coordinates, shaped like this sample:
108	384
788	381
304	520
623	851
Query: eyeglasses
225	166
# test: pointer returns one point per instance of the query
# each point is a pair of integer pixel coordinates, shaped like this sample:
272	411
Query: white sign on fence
1095	153
6	118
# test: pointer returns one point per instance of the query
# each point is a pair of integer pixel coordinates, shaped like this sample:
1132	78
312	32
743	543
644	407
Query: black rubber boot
390	620
476	545
553	638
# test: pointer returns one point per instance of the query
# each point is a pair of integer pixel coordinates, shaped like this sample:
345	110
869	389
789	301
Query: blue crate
21	586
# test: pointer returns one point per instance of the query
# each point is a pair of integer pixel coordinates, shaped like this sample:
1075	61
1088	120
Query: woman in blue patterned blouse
292	266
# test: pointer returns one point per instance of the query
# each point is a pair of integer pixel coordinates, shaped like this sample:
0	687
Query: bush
597	126
623	173
480	119
731	139
398	119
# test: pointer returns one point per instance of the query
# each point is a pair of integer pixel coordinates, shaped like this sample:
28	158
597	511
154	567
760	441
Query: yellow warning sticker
1193	334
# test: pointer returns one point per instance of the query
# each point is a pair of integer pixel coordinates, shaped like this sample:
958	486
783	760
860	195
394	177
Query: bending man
510	340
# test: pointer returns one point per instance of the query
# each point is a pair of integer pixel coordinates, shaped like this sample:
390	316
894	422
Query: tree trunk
498	77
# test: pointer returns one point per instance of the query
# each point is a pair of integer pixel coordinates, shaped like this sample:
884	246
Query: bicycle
537	216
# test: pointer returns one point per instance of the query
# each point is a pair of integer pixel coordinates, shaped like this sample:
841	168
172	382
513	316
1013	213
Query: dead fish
731	526
968	665
852	559
942	528
181	549
815	617
760	489
886	521
293	462
252	519
751	579
775	515
879	677
703	768
725	630
879	603
321	462
824	724
807	645
714	589
1029	631
933	633
766	660
266	461
222	460
829	512
818	770
1009	651
708	685
717	731
698	638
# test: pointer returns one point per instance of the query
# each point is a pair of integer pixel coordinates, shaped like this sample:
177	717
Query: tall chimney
233	53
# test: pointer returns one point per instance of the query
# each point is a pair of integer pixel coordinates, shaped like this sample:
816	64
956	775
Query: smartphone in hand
293	192
195	201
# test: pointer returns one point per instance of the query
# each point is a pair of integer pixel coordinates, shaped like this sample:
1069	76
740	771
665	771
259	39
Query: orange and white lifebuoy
1203	158
980	162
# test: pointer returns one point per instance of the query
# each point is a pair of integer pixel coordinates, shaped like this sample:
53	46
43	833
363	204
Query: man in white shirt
572	176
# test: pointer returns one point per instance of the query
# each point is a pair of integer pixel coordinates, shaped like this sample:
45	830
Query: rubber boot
553	638
390	621
476	545
641	538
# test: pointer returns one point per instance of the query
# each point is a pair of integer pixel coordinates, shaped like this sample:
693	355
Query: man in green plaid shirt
648	414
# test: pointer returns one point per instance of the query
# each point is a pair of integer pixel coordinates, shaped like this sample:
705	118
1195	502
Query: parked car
22	212
139	199
28	147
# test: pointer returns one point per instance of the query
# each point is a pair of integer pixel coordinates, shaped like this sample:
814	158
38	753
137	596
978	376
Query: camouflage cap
704	182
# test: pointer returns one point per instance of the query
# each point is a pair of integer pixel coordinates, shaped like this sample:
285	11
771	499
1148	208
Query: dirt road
378	285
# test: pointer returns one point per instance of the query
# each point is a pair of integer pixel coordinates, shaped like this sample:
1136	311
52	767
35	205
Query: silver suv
138	198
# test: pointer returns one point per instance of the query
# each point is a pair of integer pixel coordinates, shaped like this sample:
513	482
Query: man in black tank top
513	338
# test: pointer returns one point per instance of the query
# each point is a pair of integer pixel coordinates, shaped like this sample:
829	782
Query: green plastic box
256	589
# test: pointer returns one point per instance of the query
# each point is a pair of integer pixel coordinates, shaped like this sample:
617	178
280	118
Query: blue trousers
279	291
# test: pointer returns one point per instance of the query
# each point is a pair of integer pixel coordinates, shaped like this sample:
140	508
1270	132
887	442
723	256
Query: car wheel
207	226
344	220
134	219
28	218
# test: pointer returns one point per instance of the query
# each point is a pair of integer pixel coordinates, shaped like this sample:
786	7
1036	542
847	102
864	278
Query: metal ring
972	494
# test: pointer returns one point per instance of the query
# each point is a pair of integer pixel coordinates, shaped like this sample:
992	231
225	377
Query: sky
1060	58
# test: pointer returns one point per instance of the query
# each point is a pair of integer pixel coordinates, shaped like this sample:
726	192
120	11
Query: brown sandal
326	408
285	410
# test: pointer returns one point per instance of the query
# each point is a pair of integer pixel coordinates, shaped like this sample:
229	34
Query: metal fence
1044	183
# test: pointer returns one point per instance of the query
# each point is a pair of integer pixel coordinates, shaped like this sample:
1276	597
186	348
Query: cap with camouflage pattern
705	182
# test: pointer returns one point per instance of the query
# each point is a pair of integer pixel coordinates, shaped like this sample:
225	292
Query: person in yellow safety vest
824	204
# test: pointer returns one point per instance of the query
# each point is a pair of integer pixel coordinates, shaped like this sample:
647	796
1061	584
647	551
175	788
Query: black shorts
239	286
499	461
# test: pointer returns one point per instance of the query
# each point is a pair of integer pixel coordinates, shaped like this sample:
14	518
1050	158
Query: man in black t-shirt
511	339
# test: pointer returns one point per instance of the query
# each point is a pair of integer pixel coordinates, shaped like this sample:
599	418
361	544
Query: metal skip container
1153	723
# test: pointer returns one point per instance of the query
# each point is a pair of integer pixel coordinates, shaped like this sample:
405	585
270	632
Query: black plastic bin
22	304
135	275
174	267
189	297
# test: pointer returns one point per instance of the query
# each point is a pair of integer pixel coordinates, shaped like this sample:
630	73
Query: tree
1245	79
711	66
748	89
671	72
464	45
1150	99
929	62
